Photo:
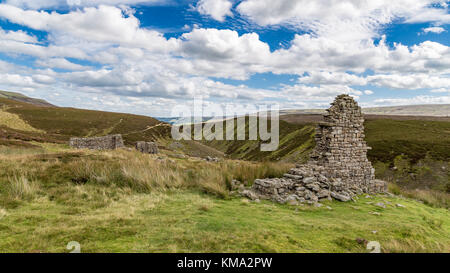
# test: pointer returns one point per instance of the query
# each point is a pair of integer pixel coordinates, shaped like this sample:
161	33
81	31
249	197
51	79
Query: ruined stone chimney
338	167
340	146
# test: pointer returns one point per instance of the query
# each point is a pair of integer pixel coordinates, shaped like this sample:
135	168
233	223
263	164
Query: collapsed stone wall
338	167
147	147
110	142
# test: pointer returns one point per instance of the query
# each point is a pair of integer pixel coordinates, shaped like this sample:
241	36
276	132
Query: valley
176	201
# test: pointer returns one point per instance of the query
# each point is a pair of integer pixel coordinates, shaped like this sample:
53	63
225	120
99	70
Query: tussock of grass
19	187
138	172
144	173
3	213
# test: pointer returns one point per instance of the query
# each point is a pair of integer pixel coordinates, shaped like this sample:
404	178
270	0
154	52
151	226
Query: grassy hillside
414	153
113	201
58	124
388	138
125	201
22	98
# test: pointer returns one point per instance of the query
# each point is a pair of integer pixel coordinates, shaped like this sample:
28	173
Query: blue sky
147	57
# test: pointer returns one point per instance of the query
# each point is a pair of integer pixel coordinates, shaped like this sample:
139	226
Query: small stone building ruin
338	167
110	142
147	147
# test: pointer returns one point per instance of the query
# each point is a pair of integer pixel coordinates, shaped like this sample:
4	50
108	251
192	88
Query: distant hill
436	110
41	123
22	98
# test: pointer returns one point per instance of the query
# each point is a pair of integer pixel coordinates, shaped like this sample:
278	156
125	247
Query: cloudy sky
146	56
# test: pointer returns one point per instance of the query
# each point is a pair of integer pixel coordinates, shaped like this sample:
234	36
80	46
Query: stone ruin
338	167
110	142
147	147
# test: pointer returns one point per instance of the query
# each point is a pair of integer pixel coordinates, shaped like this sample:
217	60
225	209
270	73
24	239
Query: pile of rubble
307	184
338	167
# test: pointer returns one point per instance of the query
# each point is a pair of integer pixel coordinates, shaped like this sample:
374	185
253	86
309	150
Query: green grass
123	201
296	142
413	138
189	221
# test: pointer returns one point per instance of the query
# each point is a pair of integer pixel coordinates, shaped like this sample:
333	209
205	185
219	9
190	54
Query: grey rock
308	180
340	197
147	147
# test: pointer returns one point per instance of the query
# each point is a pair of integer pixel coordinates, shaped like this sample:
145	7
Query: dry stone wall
338	167
110	142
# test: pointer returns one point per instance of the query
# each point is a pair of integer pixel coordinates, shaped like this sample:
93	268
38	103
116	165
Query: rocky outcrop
338	167
110	142
147	147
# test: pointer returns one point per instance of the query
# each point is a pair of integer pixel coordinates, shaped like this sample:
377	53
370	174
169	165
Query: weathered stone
147	147
308	180
250	194
97	143
380	204
293	176
340	197
323	194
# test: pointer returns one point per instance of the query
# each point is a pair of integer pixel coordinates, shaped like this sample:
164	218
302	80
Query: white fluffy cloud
61	63
433	30
217	9
129	63
98	24
39	4
341	20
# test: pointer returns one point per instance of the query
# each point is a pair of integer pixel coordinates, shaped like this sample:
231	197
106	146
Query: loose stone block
147	147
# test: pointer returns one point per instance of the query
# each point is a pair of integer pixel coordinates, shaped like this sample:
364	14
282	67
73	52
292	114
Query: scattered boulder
147	147
381	205
211	159
340	197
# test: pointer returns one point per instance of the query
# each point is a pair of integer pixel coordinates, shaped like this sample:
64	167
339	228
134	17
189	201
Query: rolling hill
438	110
45	123
126	201
22	98
420	144
413	152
